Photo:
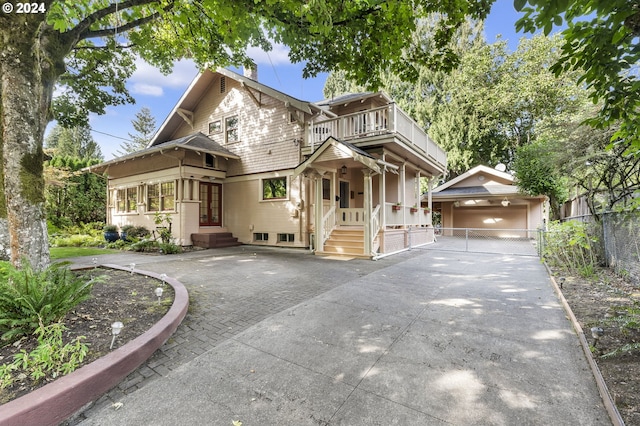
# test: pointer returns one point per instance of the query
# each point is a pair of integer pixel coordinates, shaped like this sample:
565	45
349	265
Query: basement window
260	236
286	238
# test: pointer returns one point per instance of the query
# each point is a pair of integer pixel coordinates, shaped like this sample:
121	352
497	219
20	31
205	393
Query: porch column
382	184
416	195
368	206
403	192
432	179
318	211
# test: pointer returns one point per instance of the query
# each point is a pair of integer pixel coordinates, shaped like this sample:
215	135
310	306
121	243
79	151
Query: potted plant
396	207
427	210
111	233
414	209
126	232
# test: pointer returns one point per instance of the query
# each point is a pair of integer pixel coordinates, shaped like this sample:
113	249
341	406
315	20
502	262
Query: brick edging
57	401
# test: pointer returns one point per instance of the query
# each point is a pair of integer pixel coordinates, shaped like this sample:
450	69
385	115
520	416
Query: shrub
51	356
569	246
110	228
31	299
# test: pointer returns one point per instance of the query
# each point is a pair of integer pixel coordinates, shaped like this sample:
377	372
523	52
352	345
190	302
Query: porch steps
345	241
215	240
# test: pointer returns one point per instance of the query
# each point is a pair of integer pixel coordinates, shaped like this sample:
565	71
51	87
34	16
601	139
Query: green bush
51	356
30	299
569	246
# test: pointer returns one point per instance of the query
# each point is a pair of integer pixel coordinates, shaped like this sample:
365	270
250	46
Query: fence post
466	239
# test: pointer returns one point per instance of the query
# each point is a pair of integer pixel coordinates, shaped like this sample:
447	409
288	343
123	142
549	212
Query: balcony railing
373	122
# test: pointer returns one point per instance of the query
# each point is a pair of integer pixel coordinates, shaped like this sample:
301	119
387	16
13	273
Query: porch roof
333	149
193	142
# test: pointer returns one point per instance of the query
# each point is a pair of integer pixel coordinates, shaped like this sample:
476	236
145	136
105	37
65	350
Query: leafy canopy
601	41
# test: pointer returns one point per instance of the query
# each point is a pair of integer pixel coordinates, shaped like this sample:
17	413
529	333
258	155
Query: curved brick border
614	414
57	401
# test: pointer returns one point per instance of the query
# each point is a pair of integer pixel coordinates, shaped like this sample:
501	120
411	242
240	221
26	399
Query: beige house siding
266	135
481	179
246	214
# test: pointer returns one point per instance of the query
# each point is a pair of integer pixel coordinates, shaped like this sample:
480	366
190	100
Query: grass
63	252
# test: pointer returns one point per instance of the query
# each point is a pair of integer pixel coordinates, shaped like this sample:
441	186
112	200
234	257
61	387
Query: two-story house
238	157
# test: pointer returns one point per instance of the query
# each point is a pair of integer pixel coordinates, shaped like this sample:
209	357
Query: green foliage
145	125
75	142
170	248
491	104
30	299
536	174
571	247
51	357
73	196
628	320
164	226
82	235
601	41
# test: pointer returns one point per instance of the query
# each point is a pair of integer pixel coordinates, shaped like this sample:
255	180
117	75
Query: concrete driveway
282	337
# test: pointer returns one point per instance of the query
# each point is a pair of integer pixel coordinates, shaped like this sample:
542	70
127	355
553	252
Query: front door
210	204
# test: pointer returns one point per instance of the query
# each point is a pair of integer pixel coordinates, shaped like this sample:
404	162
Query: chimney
251	71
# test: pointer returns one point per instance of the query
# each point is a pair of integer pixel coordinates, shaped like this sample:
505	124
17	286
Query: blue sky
160	93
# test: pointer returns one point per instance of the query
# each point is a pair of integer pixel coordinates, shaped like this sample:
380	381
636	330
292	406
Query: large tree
73	142
87	47
601	42
145	125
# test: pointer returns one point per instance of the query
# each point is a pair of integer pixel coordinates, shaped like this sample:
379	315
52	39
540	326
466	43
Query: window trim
215	127
227	129
286	237
287	188
128	209
264	236
161	197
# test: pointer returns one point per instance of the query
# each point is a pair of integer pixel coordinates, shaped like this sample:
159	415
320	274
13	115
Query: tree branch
114	30
81	31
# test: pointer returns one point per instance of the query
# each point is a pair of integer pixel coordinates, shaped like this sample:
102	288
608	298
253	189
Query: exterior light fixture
562	280
95	262
505	202
158	292
596	333
116	328
343	169
132	266
163	277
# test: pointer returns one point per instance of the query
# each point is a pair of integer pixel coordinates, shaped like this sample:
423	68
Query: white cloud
147	89
148	80
279	55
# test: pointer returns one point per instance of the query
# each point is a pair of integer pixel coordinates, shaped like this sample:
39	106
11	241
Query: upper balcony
377	124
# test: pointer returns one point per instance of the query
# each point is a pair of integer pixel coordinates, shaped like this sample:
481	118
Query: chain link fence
523	242
621	243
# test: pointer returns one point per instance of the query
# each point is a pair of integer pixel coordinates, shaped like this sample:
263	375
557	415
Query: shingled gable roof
194	142
478	170
334	148
197	88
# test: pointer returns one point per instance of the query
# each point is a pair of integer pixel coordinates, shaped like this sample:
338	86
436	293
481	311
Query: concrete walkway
282	337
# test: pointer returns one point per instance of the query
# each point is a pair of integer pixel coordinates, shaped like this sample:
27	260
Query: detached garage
487	199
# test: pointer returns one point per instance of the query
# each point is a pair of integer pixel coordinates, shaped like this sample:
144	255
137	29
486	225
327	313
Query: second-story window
231	129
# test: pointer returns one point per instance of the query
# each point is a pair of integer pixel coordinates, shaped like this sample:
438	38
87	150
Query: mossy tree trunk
26	87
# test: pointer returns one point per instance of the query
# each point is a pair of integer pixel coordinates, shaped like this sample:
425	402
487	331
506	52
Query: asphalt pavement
283	337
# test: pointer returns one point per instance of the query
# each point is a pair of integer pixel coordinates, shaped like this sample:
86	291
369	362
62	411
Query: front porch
364	204
345	228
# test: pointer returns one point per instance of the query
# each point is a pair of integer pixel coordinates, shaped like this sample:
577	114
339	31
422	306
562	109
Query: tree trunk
25	98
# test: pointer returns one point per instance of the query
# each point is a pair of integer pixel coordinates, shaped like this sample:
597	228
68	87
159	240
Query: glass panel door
210	204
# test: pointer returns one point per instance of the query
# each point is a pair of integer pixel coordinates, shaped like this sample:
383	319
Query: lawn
64	252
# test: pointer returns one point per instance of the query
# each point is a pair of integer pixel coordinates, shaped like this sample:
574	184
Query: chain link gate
522	242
